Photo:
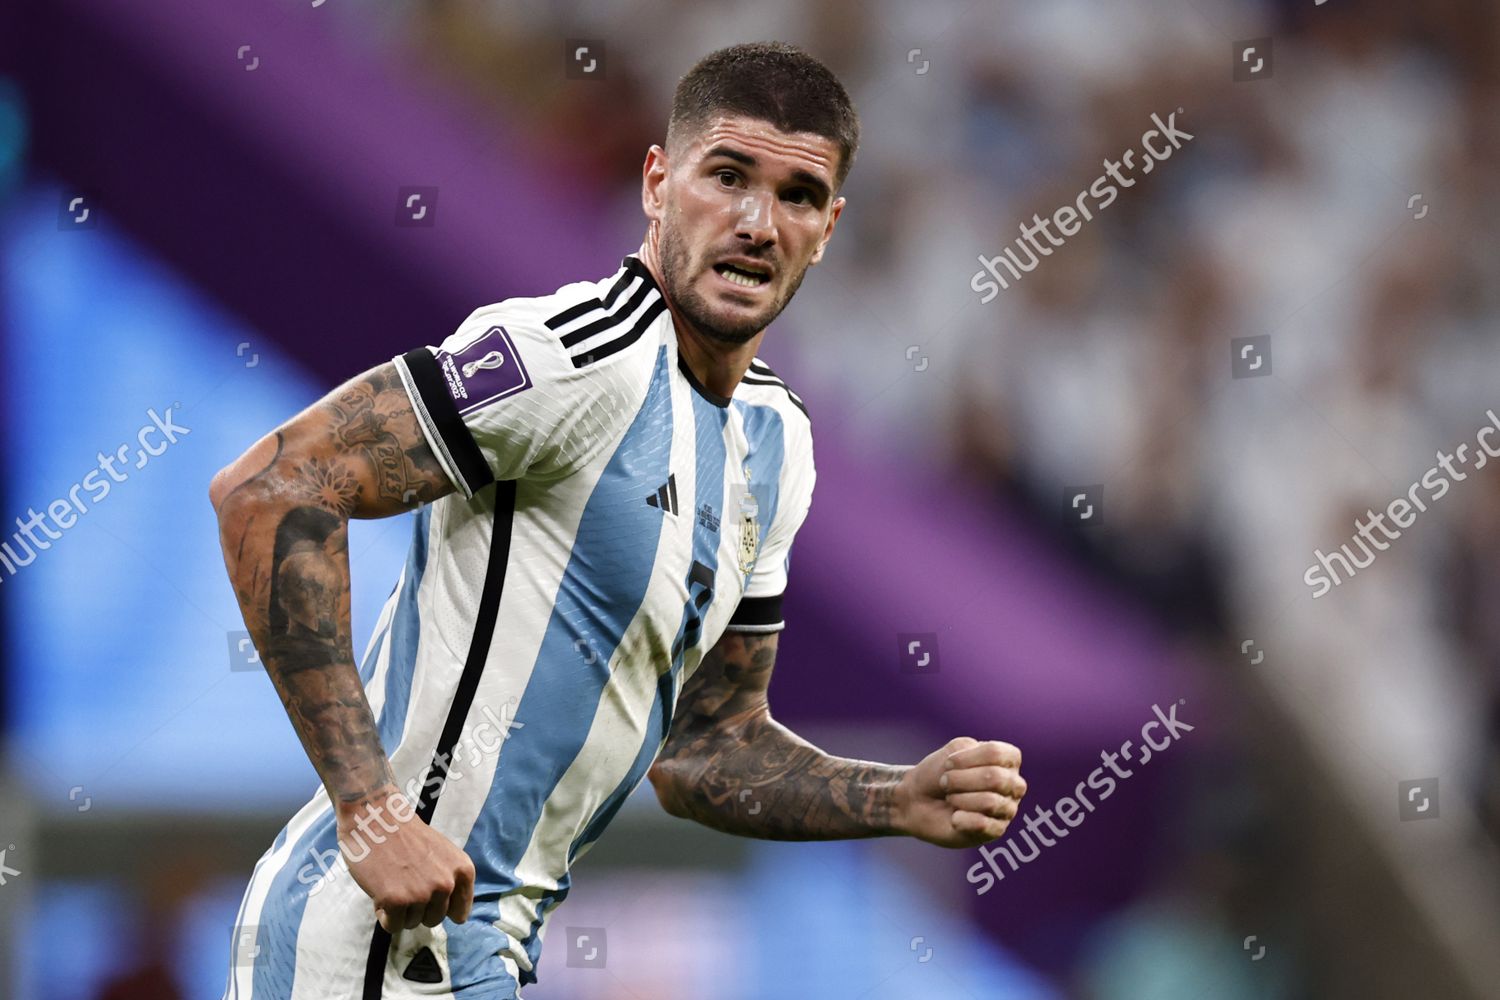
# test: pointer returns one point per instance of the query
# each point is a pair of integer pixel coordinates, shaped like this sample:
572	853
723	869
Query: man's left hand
961	795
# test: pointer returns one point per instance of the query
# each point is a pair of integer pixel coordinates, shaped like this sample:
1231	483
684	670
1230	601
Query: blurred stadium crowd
1339	205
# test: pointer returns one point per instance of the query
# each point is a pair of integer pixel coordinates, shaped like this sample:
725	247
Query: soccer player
607	485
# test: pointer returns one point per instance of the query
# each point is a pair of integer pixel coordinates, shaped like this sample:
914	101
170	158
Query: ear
833	218
653	176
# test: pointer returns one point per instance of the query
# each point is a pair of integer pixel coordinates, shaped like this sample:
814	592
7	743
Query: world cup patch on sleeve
487	369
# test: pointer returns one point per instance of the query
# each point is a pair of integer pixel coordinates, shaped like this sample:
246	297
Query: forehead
771	148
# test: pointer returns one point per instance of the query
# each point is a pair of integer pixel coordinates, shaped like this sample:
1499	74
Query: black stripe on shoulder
633	268
587	306
764	376
605	322
759	367
604	350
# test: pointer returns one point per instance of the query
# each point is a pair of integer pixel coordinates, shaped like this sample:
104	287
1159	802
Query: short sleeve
500	399
760	608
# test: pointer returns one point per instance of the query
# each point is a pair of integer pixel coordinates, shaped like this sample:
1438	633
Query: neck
715	364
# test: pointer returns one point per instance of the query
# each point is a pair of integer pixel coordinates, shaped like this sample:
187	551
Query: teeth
740	279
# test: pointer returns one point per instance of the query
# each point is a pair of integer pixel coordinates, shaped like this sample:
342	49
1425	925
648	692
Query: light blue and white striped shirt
613	518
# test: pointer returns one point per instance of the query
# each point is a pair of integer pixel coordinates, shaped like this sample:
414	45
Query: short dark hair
772	81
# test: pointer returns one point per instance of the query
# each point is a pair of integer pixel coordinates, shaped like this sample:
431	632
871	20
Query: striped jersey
613	517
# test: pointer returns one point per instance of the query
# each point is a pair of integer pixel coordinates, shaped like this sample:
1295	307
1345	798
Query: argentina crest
749	527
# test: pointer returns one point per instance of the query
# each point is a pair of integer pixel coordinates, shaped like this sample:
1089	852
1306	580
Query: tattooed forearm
307	651
730	766
284	509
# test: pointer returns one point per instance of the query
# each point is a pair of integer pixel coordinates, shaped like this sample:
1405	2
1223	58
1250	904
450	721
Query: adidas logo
424	968
665	496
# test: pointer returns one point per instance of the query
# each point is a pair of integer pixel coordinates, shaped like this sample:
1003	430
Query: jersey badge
749	527
487	369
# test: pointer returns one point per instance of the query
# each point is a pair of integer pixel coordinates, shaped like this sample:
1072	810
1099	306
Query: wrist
898	802
348	812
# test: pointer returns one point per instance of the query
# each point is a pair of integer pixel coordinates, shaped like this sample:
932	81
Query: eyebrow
811	180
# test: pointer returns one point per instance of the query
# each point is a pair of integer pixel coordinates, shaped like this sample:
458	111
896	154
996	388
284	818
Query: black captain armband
758	614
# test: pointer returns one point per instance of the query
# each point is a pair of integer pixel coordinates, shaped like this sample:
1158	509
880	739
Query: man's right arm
284	507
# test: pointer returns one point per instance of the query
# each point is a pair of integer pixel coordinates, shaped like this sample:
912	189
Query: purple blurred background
242	167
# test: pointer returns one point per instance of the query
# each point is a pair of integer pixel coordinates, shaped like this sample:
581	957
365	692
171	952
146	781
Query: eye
733	177
802	196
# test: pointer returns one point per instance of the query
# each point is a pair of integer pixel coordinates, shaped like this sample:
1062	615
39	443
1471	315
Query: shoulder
761	386
598	336
768	401
593	321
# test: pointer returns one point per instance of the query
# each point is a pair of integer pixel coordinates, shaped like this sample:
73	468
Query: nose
753	220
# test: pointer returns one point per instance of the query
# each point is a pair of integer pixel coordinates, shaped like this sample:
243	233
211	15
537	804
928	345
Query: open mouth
743	275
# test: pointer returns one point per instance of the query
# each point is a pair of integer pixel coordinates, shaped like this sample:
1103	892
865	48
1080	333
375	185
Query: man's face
744	209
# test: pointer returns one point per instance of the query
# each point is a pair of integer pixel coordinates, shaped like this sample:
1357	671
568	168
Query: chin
730	331
727	324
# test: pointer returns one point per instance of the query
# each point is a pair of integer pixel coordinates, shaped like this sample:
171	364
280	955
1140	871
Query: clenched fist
413	873
962	795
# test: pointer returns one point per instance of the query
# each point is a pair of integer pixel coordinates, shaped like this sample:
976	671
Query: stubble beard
676	273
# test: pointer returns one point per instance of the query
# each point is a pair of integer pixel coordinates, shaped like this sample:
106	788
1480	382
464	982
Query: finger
988	803
382	919
990	752
395	918
437	909
960	743
462	898
983	779
413	915
977	824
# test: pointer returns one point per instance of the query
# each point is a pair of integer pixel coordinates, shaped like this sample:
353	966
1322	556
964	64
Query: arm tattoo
362	414
729	765
284	531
